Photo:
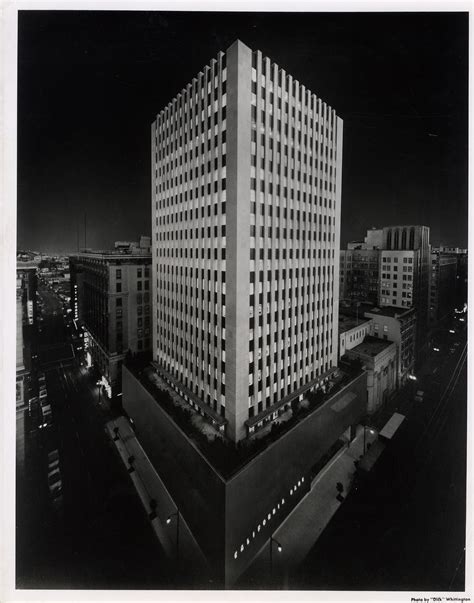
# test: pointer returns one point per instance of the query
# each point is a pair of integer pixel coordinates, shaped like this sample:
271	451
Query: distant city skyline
90	85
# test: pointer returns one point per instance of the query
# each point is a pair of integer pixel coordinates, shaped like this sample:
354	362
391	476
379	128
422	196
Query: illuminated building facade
246	190
110	296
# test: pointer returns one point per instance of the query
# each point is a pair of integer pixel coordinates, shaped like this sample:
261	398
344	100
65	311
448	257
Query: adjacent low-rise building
352	332
379	358
396	325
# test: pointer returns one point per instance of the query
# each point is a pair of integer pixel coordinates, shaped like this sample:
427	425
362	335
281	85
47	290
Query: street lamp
98	383
168	521
371	431
279	549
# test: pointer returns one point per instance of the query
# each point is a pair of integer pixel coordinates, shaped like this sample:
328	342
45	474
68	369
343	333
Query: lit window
258	528
264	522
235	555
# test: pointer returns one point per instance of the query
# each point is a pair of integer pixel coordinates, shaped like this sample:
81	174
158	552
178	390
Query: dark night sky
91	83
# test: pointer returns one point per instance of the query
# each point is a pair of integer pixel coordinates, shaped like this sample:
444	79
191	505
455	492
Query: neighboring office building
443	284
26	325
379	358
110	294
390	267
461	272
246	238
405	273
396	325
20	360
246	216
359	274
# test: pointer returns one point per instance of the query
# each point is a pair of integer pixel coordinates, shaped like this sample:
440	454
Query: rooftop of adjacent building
360	310
448	250
372	346
349	322
352	308
135	249
391	311
109	255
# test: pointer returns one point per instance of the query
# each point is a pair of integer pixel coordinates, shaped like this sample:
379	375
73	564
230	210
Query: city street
404	529
99	536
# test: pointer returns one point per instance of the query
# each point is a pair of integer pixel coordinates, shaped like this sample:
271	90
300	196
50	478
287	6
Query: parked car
55	483
419	395
52	465
47	417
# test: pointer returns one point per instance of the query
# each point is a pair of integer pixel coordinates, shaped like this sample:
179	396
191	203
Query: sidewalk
149	485
302	528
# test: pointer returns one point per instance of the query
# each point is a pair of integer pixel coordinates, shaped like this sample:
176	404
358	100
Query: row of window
177	167
405	277
268	518
141	272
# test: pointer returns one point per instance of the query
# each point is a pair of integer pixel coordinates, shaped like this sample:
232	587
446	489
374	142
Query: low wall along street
233	517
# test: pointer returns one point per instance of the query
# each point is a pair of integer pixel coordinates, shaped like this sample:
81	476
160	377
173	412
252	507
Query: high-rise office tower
246	189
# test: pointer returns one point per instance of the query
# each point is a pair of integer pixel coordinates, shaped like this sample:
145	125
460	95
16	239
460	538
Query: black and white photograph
237	296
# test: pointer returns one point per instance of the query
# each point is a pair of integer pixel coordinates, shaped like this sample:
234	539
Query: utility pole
85	230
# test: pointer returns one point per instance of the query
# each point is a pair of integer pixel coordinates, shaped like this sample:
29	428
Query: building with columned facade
246	186
244	398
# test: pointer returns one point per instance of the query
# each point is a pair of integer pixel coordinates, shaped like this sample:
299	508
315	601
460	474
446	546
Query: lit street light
168	521
371	431
98	383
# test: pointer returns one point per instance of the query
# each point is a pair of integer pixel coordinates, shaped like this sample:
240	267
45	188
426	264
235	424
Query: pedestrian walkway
302	528
296	535
150	487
